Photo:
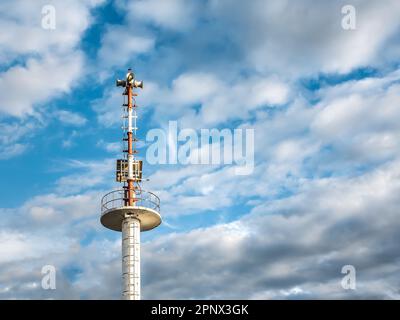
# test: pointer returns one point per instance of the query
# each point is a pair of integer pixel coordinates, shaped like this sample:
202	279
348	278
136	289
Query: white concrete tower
131	209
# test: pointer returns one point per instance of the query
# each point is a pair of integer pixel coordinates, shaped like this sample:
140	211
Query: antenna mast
130	209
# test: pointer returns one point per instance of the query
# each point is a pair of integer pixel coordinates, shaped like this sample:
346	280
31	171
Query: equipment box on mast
122	170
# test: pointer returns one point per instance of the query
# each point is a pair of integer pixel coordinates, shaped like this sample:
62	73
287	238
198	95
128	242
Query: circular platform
146	209
112	218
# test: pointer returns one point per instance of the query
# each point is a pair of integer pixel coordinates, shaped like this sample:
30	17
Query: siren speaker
137	84
120	83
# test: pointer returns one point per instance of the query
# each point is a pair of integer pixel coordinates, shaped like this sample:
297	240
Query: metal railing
117	199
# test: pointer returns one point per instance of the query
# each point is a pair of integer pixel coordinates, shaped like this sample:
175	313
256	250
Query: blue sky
323	103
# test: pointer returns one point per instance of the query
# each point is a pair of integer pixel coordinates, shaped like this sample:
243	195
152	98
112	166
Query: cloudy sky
324	103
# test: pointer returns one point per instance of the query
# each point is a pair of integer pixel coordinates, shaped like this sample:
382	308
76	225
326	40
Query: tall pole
130	224
130	210
131	258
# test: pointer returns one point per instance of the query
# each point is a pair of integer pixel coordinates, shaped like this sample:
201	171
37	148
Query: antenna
130	209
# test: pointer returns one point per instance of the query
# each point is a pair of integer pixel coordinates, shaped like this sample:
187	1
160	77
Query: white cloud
305	37
19	246
292	40
311	234
120	44
112	147
53	208
42	213
11	135
54	60
23	21
220	101
87	175
192	88
294	246
39	81
68	142
41	65
108	108
12	151
50	229
360	121
165	178
177	15
293	144
70	118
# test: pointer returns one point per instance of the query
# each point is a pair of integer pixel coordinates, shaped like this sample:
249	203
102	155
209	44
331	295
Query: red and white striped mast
131	138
